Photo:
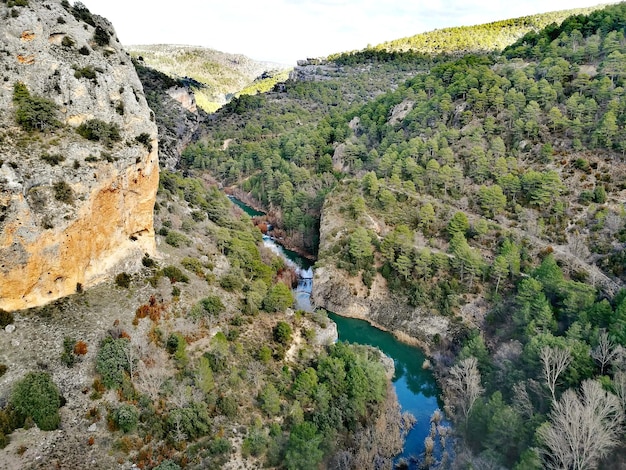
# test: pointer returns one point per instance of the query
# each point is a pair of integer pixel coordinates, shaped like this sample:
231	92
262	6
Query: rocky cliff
78	154
178	117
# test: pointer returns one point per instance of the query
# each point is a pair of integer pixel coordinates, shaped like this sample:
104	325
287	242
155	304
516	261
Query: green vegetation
81	13
34	112
100	131
481	182
214	76
63	192
480	38
37	397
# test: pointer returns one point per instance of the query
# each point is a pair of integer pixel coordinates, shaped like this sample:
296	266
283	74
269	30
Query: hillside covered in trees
487	189
214	76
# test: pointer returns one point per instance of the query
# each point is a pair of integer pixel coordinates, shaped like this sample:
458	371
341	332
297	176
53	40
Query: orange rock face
112	230
73	211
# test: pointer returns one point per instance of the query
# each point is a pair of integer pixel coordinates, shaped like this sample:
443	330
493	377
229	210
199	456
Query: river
415	386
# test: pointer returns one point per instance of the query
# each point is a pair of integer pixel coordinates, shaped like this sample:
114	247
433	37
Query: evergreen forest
483	187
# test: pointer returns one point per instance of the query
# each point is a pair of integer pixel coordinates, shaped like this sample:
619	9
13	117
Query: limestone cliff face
73	211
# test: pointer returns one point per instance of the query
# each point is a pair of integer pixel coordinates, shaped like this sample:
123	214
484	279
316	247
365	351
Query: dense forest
494	177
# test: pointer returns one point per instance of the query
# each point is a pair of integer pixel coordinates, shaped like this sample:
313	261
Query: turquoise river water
415	386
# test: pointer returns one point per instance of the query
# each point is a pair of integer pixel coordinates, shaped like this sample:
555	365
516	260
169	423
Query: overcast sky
287	30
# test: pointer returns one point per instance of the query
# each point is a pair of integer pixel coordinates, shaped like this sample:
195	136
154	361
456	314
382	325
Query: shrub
220	445
147	261
52	159
87	72
67	356
111	361
193	420
6	318
212	305
174	274
145	140
36	396
167	465
67	41
278	298
80	348
282	333
194	265
81	13
123	280
126	417
63	192
83	51
231	282
176	239
33	112
98	130
227	406
101	36
3	369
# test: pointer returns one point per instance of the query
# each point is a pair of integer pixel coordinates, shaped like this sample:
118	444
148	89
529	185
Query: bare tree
605	352
464	381
555	361
521	400
619	385
583	428
152	374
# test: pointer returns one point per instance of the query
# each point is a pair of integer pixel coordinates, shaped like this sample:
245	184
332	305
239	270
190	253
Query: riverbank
266	221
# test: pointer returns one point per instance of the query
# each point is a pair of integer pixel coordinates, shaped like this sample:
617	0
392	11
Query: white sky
287	30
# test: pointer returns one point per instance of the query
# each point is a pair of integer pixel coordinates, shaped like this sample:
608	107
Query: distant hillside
479	38
219	75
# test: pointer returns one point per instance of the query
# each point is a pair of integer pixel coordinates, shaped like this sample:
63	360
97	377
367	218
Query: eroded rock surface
73	211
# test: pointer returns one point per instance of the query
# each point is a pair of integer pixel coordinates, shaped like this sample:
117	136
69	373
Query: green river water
415	386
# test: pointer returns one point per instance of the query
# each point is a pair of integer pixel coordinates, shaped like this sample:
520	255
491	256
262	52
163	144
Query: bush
33	112
212	305
126	417
67	356
193	420
227	406
67	41
147	261
194	265
6	318
177	239
36	396
98	130
174	274
81	13
63	192
282	333
167	465
123	280
231	282
145	140
52	159
101	37
87	72
111	361
278	298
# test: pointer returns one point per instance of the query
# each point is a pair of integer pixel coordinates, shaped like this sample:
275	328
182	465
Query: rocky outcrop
73	211
177	115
